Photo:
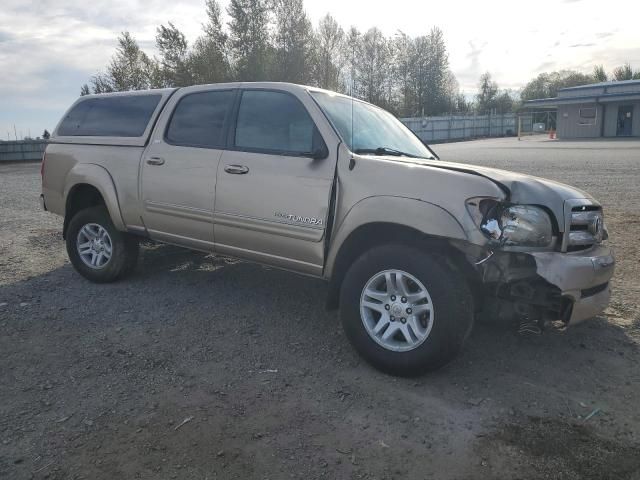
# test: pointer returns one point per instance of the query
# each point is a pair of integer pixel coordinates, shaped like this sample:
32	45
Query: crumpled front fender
425	217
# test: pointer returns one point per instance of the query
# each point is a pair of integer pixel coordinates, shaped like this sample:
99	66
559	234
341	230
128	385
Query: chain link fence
461	127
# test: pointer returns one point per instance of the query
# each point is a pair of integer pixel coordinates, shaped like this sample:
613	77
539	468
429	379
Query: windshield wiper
385	151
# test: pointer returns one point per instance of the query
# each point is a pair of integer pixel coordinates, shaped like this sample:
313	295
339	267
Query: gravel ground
199	367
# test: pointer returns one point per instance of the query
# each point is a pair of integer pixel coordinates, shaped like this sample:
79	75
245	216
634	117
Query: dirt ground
199	367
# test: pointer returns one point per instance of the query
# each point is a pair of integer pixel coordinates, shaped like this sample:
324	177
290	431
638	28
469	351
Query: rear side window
273	121
199	119
118	116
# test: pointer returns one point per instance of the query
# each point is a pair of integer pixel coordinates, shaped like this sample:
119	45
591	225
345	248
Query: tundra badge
300	219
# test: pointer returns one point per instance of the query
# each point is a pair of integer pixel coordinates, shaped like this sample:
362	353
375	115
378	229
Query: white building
604	109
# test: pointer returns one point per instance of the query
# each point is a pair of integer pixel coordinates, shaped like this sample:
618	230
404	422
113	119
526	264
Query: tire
447	308
123	247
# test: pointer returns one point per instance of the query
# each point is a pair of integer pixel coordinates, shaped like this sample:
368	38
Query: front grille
586	227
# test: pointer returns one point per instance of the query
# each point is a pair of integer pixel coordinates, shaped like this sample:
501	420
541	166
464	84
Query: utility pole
15	132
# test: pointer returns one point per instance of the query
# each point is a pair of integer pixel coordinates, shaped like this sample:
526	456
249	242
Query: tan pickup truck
321	184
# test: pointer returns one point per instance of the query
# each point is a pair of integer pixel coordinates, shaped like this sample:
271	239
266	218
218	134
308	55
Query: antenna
353	86
352	114
352	161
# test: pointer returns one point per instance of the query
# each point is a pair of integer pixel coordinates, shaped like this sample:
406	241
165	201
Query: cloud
468	75
546	66
5	36
49	49
579	45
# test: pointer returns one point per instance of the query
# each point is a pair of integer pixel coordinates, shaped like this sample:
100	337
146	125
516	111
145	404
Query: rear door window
199	119
273	122
117	116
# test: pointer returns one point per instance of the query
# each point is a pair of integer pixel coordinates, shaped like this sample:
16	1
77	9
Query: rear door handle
155	161
236	169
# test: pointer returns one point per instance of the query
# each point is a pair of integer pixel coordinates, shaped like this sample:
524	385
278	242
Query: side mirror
319	150
319	153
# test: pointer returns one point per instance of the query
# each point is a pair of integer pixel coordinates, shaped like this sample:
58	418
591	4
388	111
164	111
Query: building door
625	119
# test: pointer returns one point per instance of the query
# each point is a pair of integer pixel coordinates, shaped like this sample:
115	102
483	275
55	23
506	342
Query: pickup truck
318	183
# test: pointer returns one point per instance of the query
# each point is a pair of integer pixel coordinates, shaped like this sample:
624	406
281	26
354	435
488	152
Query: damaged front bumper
582	278
542	286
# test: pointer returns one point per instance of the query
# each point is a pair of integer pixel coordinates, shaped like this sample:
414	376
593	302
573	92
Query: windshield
375	131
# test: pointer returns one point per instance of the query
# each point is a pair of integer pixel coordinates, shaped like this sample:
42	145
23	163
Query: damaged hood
518	187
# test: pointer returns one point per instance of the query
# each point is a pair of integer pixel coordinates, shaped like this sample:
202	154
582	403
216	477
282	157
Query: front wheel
97	250
405	311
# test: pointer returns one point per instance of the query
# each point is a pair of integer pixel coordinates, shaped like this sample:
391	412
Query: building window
588	116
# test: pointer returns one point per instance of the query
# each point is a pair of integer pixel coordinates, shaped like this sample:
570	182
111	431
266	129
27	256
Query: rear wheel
405	311
97	250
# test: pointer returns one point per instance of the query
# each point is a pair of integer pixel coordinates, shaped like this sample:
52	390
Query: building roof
603	84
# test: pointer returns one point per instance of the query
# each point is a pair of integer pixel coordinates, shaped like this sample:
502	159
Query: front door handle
155	161
236	169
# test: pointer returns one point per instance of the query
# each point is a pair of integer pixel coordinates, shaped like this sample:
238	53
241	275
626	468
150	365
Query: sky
49	49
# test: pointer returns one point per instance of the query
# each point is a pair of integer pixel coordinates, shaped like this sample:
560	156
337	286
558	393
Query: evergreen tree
249	39
599	75
130	68
213	29
293	42
102	83
625	72
209	60
175	70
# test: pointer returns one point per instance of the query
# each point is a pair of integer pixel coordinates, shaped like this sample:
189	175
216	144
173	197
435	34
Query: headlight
516	225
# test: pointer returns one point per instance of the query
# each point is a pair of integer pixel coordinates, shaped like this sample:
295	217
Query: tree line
546	85
275	40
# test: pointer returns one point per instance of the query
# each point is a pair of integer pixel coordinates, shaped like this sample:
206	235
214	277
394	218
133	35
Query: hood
518	187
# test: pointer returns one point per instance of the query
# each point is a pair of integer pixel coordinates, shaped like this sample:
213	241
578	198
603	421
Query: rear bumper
582	277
